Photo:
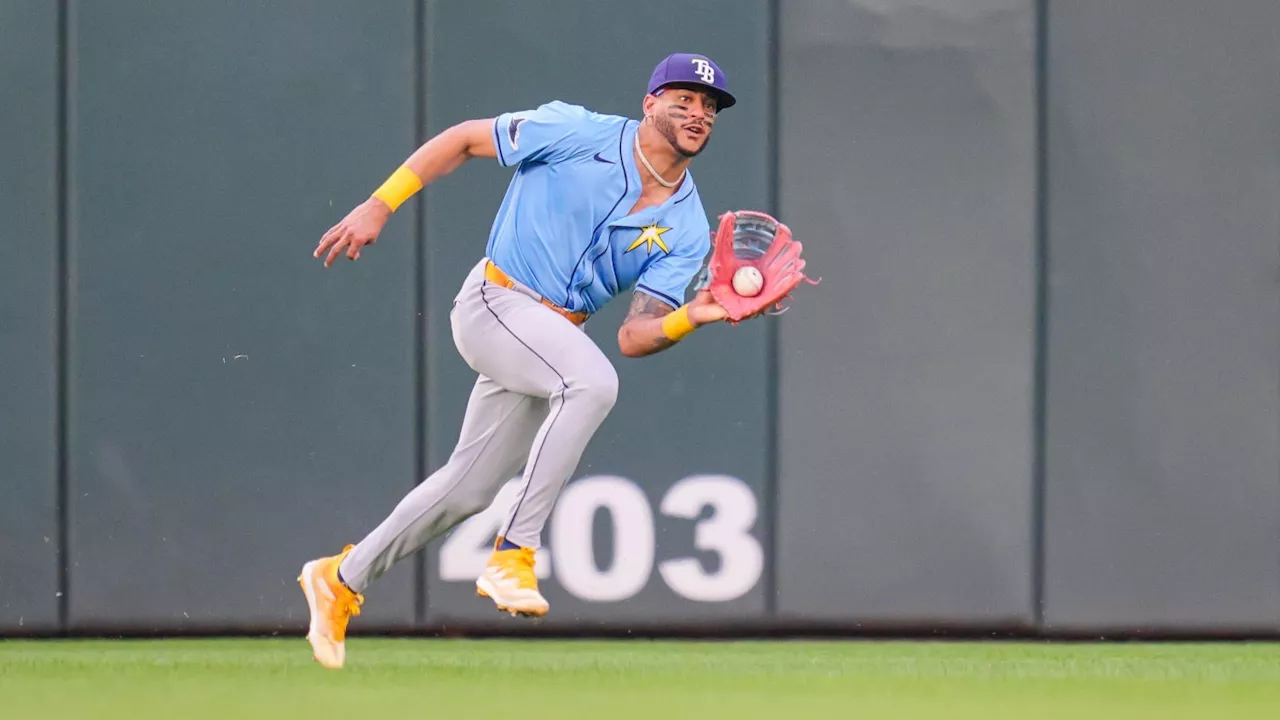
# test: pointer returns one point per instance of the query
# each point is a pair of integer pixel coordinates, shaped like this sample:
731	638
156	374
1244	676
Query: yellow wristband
401	186
676	324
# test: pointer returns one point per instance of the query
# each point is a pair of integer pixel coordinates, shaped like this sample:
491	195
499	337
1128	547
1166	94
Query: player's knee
602	391
466	504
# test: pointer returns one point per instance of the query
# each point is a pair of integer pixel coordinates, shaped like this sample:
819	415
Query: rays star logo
650	235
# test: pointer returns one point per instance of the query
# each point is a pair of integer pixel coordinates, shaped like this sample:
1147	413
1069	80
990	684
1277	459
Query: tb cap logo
704	71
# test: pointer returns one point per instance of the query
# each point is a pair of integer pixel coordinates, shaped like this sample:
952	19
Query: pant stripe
564	386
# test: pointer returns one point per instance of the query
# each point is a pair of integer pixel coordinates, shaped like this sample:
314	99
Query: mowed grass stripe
623	679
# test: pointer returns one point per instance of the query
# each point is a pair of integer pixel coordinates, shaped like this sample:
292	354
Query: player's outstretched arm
436	158
652	325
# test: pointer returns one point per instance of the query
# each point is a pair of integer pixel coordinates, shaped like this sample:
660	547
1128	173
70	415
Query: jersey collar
648	216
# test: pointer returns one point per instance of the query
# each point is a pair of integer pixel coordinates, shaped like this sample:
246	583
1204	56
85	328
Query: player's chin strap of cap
495	275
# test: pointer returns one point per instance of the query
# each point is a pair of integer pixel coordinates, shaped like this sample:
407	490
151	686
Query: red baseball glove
748	238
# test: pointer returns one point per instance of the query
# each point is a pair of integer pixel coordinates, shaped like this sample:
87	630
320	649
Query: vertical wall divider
62	285
1040	393
419	75
771	479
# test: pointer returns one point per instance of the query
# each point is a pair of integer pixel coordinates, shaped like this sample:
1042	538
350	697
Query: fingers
349	236
336	241
328	239
335	250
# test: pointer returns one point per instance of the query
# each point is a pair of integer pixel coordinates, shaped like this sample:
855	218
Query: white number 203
569	554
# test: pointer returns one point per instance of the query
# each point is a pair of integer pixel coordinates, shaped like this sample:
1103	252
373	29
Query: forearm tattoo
644	305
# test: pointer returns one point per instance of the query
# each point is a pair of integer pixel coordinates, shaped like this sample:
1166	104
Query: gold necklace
653	172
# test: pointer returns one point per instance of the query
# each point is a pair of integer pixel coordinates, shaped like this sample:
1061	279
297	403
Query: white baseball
748	281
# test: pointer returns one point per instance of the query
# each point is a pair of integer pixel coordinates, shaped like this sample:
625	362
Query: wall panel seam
771	480
1041	240
419	335
63	280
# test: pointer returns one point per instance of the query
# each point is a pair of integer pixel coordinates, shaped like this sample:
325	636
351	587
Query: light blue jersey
563	228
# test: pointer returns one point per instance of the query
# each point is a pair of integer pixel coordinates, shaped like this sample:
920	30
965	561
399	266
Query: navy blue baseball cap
692	69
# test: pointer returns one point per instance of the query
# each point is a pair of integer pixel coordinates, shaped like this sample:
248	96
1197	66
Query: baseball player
598	205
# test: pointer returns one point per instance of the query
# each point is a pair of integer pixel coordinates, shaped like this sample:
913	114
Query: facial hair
665	124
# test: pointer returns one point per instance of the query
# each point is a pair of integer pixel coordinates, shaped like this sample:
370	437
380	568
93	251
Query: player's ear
646	105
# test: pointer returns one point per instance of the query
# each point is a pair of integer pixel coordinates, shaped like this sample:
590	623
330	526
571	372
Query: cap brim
724	99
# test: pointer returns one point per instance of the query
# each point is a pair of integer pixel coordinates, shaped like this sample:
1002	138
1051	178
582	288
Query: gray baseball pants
544	387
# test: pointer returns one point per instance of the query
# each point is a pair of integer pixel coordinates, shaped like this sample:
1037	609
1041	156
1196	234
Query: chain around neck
653	172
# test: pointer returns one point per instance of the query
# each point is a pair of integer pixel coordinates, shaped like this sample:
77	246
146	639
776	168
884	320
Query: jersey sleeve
546	134
668	277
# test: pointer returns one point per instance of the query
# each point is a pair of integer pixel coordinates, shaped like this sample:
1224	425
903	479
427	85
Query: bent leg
492	445
538	352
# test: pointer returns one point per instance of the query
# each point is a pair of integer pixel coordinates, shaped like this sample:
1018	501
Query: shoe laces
349	605
347	601
520	564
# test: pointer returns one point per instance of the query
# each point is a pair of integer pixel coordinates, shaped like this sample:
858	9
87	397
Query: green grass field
512	680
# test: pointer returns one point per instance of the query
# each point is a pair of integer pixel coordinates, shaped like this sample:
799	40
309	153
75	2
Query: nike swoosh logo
603	160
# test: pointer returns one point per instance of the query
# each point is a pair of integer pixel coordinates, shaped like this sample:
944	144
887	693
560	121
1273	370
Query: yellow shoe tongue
524	568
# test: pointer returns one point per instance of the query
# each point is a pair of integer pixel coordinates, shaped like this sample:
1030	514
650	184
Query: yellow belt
494	274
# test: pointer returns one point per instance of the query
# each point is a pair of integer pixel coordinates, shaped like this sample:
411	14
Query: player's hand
704	309
360	227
